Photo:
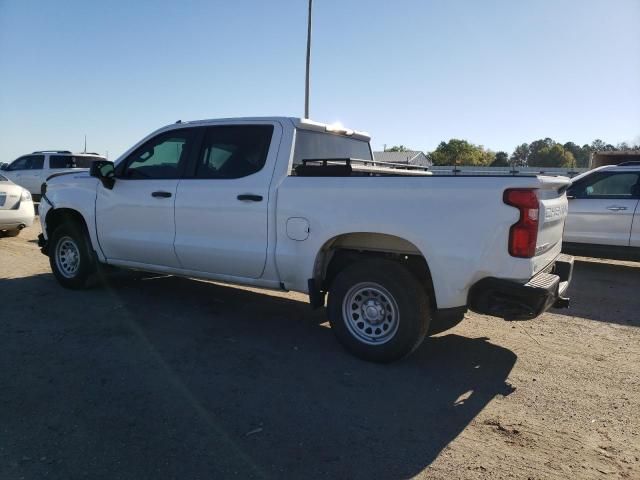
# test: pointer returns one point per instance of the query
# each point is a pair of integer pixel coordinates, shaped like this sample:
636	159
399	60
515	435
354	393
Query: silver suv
604	213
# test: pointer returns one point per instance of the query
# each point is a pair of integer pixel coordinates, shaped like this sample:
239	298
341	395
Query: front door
27	172
222	206
601	208
135	219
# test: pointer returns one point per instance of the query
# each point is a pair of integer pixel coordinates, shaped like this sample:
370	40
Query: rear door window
61	161
234	151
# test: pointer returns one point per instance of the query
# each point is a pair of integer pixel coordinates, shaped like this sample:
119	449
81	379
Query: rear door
135	219
601	208
222	206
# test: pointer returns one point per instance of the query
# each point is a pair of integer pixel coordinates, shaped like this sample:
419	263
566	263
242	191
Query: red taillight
523	235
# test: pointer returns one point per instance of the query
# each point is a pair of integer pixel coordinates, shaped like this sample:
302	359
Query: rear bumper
21	217
517	301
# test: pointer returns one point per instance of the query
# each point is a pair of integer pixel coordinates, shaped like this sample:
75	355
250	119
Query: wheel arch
342	250
57	216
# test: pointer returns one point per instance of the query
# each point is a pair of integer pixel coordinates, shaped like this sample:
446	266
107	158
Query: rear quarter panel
459	224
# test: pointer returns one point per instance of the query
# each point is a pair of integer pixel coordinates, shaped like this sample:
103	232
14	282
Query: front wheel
70	256
378	310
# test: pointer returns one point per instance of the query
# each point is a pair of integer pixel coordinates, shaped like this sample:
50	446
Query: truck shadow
606	292
173	378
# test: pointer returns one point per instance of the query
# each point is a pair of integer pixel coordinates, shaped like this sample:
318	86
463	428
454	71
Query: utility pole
306	84
85	144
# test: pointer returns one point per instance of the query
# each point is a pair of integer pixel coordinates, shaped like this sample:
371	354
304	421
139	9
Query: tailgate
552	215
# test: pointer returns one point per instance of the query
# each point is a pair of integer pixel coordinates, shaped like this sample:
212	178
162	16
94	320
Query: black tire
376	279
72	238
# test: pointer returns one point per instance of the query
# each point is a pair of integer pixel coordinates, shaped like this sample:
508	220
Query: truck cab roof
298	123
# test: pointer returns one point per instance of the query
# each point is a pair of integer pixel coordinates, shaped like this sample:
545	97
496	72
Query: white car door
26	171
135	219
601	208
222	206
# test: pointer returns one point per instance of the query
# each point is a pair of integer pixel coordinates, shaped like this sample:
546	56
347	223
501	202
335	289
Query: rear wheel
378	310
70	256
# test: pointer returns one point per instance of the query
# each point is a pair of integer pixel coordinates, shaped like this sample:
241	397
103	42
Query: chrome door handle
616	208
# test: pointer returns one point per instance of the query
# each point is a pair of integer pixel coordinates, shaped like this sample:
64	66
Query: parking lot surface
160	377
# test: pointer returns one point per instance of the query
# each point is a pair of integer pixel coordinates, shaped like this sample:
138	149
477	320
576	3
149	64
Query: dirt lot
171	378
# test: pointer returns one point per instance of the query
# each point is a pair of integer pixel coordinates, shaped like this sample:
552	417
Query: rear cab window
311	145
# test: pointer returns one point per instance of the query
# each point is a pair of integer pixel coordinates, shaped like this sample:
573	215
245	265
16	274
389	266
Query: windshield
317	145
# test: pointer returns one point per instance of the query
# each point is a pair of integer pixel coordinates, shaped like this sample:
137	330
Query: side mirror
104	171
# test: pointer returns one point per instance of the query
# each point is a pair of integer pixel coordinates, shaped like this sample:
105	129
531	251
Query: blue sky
497	73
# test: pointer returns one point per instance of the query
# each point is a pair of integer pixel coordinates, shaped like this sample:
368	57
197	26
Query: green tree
599	146
536	147
581	154
398	148
520	156
553	156
460	152
501	160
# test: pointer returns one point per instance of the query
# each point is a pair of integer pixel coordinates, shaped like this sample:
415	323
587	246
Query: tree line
539	153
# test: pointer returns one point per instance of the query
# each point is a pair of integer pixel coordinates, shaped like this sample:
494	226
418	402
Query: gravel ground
161	377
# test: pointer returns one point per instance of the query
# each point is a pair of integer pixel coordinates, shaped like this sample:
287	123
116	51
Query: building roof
600	158
412	157
614	153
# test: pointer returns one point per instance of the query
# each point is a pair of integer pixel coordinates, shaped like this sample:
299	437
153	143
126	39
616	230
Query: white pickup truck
291	204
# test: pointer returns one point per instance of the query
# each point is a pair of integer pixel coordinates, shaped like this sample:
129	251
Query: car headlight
25	195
